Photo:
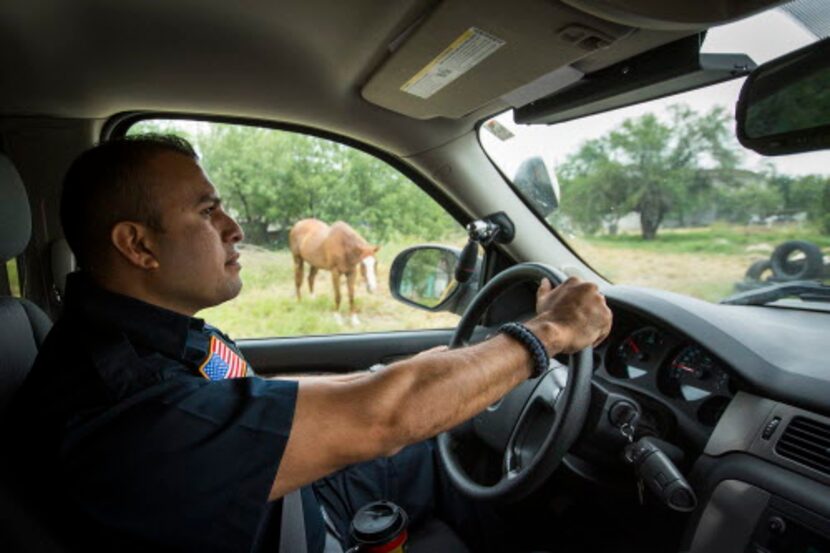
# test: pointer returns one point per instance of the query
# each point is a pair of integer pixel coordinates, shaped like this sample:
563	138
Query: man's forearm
429	394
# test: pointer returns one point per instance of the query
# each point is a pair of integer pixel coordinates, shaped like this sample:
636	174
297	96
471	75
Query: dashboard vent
807	442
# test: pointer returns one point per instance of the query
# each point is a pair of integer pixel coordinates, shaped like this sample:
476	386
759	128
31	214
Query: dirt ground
705	276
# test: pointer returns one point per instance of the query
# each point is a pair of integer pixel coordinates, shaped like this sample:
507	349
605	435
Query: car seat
23	327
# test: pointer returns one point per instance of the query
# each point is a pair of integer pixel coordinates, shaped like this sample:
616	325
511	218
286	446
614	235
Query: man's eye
208	211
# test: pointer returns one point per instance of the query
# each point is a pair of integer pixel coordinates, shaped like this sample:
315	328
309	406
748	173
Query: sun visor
465	55
670	69
666	15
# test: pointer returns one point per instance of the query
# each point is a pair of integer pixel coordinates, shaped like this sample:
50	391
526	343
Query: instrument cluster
662	364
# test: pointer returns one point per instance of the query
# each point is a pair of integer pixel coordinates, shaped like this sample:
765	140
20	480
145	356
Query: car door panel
337	353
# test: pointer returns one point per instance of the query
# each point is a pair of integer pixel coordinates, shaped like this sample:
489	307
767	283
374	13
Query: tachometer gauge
694	375
636	354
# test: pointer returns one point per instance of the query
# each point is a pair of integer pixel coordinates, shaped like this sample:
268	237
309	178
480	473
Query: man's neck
135	286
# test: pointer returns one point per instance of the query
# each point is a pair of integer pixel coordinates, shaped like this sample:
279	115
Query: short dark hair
106	185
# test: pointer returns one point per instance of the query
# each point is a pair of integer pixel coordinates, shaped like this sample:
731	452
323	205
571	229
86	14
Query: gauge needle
633	345
686	368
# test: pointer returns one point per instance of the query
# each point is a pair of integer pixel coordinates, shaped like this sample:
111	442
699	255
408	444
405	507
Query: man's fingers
606	331
541	293
600	340
578	306
544	287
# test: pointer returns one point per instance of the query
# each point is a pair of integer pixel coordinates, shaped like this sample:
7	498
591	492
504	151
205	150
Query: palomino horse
337	248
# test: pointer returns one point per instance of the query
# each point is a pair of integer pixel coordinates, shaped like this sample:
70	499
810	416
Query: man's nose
233	232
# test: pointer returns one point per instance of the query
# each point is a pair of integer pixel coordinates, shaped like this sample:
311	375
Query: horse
337	248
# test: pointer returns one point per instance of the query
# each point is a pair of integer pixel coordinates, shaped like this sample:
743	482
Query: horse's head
368	264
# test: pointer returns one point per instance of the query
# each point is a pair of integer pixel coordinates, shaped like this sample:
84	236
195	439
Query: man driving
144	428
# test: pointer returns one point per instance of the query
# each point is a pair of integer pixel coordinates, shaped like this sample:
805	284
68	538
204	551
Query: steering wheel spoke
496	425
537	415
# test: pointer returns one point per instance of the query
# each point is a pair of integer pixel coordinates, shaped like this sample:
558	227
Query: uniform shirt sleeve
185	465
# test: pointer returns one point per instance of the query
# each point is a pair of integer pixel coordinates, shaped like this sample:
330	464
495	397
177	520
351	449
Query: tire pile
791	260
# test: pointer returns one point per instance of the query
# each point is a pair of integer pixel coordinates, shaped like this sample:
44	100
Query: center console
763	482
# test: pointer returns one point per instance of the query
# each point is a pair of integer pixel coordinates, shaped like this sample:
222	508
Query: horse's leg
335	280
312	274
350	280
298	275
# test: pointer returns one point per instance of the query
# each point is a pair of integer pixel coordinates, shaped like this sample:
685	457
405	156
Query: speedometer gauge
636	354
694	375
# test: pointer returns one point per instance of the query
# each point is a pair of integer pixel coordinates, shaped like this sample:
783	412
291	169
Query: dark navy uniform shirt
124	444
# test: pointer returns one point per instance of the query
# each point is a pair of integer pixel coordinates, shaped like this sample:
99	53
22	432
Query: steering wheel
536	423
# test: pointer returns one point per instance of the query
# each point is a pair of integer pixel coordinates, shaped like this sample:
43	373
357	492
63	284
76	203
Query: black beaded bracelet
534	345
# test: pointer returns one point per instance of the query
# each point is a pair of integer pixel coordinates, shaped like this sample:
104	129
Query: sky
762	37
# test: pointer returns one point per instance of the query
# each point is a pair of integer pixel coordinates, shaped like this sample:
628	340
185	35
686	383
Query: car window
661	194
270	180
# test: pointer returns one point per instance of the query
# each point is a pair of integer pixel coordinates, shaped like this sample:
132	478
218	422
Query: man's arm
340	423
345	377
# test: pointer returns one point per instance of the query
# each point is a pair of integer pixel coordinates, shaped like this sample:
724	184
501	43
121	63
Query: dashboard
738	398
684	360
681	386
700	351
747	390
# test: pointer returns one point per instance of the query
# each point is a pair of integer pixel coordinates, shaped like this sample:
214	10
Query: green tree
270	179
652	167
594	188
755	197
811	194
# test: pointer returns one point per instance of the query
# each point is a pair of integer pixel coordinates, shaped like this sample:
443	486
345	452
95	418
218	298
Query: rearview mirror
784	106
423	276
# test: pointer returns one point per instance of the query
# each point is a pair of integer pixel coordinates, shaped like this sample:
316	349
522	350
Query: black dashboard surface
775	352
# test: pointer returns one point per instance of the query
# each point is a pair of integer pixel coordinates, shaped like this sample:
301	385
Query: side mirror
784	106
422	276
537	185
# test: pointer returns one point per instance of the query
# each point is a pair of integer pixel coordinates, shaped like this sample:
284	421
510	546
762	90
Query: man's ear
131	240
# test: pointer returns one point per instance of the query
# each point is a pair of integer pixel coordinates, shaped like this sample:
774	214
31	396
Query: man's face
196	250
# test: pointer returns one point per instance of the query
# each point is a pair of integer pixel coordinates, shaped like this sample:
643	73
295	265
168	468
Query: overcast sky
762	37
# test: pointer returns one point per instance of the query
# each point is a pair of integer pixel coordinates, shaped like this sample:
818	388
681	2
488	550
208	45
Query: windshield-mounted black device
806	290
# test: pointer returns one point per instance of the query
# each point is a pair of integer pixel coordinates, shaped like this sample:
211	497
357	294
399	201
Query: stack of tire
791	260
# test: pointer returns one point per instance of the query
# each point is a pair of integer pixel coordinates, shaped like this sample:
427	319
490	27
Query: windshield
661	194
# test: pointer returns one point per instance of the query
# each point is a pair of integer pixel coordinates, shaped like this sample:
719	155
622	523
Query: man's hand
571	316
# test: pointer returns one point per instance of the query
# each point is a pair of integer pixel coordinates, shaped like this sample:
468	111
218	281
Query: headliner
300	62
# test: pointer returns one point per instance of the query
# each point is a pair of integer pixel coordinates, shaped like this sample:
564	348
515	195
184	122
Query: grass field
716	239
268	304
703	263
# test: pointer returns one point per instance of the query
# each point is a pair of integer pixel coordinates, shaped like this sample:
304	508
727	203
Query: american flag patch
222	362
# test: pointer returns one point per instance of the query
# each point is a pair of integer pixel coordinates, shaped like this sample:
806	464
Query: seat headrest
15	217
